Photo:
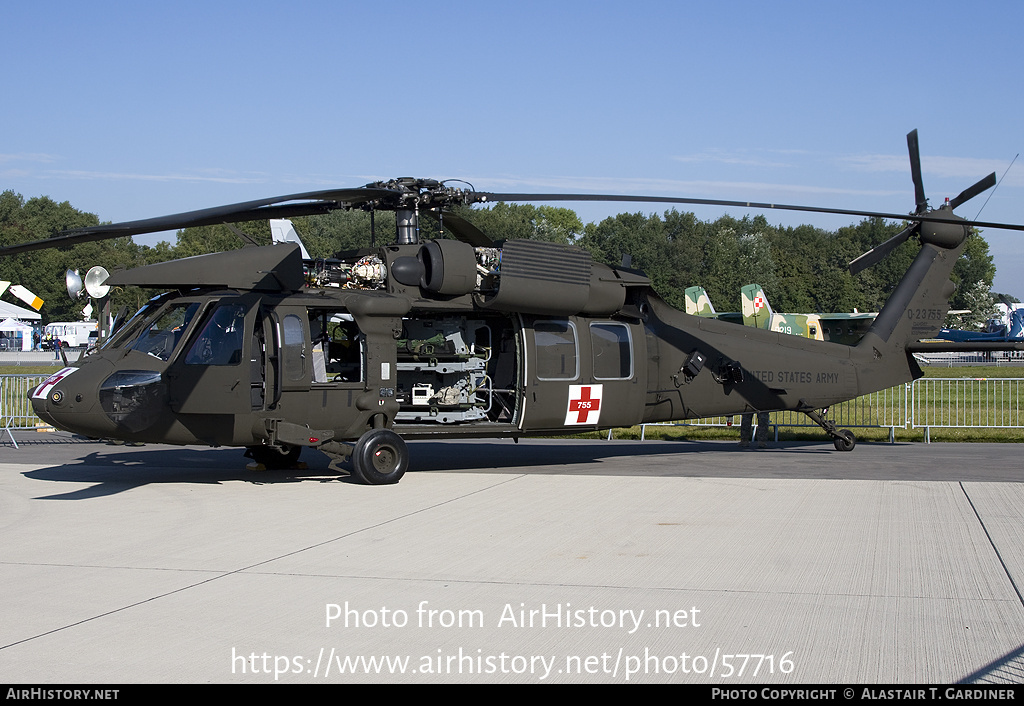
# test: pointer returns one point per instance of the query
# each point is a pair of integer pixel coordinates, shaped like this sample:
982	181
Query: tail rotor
943	227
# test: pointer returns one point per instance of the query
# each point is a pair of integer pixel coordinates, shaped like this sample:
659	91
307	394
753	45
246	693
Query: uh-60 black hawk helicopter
457	337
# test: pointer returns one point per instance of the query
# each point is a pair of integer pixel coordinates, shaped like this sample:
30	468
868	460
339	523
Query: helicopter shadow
682	458
115	469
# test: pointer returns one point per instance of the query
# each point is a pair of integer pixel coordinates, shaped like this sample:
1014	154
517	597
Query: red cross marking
584	406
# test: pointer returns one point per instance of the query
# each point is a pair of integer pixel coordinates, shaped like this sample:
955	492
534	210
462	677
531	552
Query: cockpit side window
293	348
220	341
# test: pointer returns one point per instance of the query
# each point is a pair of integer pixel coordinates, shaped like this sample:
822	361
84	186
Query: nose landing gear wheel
381	457
845	440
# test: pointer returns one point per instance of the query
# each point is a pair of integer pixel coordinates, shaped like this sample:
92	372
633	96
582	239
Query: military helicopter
457	337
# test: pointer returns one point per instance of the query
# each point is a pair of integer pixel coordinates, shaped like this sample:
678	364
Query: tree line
803	269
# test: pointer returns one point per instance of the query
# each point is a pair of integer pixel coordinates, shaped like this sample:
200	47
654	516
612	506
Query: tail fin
915	310
698	303
756	309
282	231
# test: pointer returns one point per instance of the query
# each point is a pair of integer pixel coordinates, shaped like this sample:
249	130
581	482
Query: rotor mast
410	195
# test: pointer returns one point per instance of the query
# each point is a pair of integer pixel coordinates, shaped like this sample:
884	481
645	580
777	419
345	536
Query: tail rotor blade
915	172
972	191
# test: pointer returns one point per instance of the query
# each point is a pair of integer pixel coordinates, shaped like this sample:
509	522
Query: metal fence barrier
961	403
15	407
992	403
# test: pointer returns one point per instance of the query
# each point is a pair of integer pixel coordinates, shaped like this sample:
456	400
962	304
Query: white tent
16	335
10	311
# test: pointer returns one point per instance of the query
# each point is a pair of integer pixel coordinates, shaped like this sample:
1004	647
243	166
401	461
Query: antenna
996	186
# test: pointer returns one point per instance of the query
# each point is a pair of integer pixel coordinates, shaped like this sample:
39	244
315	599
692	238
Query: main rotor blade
487	197
971	191
915	172
314	202
462	229
878	252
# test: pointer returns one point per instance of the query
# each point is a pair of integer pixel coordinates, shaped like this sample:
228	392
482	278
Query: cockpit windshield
126	330
161	335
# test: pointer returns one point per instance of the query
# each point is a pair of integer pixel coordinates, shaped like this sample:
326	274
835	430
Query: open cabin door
457	370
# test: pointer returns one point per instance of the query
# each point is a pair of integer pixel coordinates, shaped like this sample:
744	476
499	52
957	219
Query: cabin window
337	347
294	348
613	351
557	357
220	342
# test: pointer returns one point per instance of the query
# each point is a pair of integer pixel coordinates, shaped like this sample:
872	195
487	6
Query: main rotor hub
412	193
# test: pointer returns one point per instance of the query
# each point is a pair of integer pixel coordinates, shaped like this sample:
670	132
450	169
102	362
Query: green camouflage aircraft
847	329
757	312
699	304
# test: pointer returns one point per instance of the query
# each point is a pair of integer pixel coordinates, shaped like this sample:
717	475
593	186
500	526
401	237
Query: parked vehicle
72	334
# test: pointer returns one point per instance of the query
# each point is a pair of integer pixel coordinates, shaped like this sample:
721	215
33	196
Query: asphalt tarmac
544	561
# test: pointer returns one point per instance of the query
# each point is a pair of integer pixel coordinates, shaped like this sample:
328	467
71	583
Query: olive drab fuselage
558	344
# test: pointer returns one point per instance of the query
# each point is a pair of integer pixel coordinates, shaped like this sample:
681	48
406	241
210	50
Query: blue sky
130	110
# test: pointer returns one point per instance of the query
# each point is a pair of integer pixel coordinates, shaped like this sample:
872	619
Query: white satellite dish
73	281
94	282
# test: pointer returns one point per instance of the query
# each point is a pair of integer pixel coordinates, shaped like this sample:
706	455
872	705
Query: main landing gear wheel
275	459
844	440
381	457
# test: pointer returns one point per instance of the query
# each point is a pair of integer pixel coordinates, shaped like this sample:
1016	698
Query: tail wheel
381	457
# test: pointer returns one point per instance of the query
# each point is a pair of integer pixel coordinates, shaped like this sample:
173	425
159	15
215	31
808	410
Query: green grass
975	371
29	369
859	416
812	434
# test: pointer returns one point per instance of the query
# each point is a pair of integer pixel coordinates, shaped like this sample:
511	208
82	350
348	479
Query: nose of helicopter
68	399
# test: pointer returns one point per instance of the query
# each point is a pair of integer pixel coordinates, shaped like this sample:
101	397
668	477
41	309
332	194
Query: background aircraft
699	304
1013	331
757	312
22	293
847	329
